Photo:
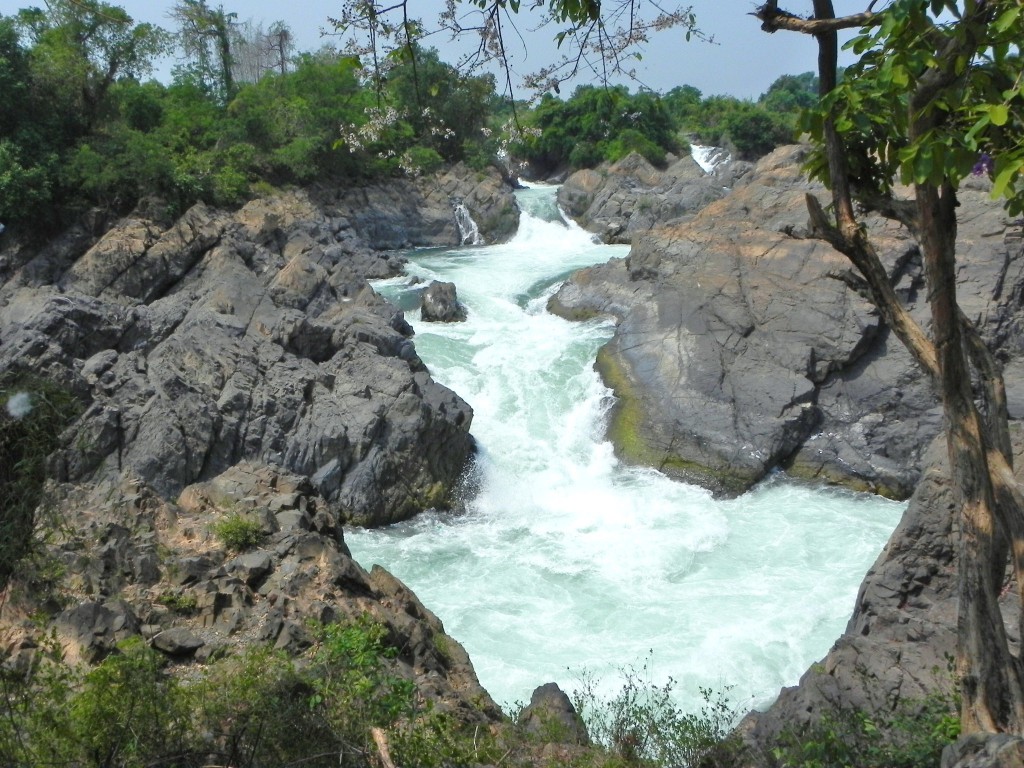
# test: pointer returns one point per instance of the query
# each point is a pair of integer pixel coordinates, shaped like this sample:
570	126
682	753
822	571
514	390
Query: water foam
567	560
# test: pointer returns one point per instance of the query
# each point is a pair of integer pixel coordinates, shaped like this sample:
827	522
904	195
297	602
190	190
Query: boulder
177	641
736	351
550	716
441	304
233	337
631	197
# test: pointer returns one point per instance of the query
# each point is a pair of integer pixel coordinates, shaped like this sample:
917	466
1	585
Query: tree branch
772	20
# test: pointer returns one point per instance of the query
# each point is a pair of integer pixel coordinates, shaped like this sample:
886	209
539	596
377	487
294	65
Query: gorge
566	561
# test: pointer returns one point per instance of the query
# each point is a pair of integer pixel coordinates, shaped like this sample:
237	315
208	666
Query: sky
742	61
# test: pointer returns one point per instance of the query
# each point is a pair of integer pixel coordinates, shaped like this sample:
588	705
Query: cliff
237	366
737	354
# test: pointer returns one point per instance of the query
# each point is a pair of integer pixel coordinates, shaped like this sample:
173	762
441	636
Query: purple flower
984	165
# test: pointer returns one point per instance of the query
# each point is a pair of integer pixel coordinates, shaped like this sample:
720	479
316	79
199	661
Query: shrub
912	736
238	532
642	723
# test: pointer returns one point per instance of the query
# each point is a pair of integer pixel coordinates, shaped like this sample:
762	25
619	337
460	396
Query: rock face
137	565
408	213
903	630
441	304
736	353
631	196
248	336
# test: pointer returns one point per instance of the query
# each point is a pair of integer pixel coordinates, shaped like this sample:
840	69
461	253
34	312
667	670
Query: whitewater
566	562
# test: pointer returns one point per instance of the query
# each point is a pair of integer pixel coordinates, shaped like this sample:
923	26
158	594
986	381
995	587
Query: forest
85	125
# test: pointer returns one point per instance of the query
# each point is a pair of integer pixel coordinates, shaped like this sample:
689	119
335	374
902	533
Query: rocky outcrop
736	353
899	642
440	304
406	213
136	565
251	336
631	197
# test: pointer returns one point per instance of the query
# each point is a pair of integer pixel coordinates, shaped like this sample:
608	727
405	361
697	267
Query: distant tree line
82	126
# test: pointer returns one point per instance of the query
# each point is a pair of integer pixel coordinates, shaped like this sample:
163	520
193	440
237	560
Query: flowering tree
936	95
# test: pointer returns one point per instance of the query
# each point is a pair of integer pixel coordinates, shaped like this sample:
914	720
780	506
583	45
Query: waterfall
567	561
709	158
469	232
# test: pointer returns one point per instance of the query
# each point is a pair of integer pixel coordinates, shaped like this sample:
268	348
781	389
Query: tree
206	36
935	95
81	47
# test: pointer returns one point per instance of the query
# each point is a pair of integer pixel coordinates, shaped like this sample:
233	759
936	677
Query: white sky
743	62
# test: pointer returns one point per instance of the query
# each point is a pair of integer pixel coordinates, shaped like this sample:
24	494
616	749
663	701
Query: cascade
565	561
709	158
469	232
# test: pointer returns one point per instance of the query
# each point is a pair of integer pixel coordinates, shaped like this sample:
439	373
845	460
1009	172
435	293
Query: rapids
566	561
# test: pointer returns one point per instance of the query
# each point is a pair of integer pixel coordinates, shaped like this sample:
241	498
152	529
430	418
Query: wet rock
441	304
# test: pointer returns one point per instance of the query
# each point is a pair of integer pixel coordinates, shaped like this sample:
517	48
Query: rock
251	567
736	353
177	641
897	645
246	336
551	717
441	304
631	196
985	750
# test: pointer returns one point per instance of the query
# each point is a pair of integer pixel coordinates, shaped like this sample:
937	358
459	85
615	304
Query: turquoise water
567	561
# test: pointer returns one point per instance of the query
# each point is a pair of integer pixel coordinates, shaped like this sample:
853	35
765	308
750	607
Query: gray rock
985	750
252	567
177	641
551	716
441	304
250	336
631	196
736	352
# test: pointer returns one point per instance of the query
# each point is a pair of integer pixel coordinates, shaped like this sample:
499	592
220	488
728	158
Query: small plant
179	603
912	736
238	532
642	724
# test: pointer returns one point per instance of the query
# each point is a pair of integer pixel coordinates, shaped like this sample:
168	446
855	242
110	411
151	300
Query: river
566	561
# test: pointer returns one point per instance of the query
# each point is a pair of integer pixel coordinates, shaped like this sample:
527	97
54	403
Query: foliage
35	413
259	709
598	124
642	724
913	736
238	532
979	118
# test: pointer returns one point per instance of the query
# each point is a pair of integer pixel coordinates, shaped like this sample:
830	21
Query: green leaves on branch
930	96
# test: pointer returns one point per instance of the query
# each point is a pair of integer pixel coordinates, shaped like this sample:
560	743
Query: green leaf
1002	180
999	114
1006	19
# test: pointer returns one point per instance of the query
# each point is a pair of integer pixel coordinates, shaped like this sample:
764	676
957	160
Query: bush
238	532
913	736
642	724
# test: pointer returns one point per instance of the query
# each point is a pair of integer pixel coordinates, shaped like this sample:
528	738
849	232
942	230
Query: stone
177	641
440	304
551	717
252	568
736	353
